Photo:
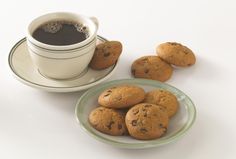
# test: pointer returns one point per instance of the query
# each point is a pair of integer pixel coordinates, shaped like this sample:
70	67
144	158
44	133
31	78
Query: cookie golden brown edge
163	98
108	121
151	67
176	54
122	96
146	121
105	55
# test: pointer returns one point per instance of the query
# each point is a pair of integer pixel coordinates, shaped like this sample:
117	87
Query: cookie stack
160	67
127	109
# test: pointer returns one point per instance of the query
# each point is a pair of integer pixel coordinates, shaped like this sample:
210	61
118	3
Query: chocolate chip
106	95
145	114
146	71
160	125
135	112
144	110
119	126
134	123
109	91
106	54
110	124
143	130
185	51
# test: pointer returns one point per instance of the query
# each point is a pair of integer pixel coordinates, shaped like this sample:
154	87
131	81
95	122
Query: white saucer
26	72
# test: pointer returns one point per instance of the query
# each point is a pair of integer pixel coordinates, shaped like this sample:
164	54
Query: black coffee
61	33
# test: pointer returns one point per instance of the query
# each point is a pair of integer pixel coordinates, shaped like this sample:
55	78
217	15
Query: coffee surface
61	33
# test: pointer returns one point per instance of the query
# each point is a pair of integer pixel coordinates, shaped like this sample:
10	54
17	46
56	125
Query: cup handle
95	20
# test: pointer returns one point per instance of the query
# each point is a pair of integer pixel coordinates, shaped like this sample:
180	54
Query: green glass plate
178	126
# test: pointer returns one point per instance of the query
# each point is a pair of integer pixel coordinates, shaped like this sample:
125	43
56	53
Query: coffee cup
62	61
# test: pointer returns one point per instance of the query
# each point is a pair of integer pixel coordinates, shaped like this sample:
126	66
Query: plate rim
148	143
51	88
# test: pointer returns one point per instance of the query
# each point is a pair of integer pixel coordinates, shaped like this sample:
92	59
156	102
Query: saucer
25	71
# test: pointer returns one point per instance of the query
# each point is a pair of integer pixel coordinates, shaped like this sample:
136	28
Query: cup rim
55	15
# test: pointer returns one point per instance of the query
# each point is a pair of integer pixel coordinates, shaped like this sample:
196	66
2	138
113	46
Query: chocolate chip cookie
146	121
121	96
108	121
106	54
151	67
176	54
163	98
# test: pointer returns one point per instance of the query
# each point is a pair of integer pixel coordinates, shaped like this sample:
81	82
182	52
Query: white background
40	125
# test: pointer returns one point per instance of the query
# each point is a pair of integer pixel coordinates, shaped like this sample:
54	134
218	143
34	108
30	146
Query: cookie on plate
176	54
146	121
106	54
151	67
123	96
163	98
108	121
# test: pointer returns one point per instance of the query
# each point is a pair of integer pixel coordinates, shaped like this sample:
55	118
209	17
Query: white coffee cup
62	61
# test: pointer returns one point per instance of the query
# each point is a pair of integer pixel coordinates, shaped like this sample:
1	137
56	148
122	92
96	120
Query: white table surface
40	125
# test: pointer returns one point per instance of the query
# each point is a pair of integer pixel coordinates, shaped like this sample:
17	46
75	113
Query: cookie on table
176	54
151	67
163	98
146	121
106	54
123	96
108	121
